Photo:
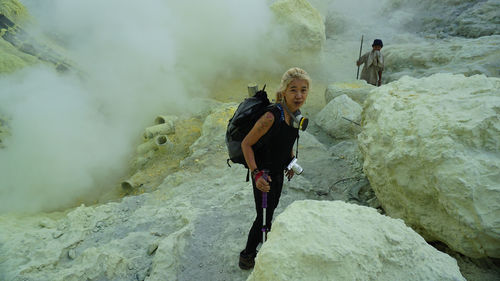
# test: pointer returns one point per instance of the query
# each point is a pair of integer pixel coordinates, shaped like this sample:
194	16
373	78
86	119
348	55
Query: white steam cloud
61	145
71	135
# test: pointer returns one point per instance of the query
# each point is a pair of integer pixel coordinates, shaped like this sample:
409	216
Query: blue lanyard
282	113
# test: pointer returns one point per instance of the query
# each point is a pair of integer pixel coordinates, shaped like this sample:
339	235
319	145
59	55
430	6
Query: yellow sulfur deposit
11	59
14	10
17	47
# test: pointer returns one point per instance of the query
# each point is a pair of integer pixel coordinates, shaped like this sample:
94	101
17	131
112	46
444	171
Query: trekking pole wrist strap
258	174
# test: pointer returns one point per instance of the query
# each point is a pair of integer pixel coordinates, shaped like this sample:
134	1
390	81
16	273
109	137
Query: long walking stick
360	48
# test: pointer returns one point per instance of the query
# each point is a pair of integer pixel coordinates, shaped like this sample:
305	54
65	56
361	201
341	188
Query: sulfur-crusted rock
304	24
11	58
14	10
357	90
432	154
334	118
333	240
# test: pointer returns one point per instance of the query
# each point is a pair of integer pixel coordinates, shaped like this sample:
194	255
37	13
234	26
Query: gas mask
298	121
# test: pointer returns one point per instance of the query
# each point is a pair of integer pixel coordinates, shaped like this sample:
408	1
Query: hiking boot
247	260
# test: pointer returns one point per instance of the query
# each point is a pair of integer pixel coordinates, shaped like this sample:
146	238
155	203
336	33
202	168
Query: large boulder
340	118
432	154
357	90
304	24
333	240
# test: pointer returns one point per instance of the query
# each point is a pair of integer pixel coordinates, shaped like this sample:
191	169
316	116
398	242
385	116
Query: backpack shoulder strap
297	148
277	111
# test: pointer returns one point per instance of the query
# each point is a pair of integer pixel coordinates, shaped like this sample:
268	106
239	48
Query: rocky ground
189	218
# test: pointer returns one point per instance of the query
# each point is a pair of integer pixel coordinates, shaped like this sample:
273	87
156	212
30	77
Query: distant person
269	163
374	64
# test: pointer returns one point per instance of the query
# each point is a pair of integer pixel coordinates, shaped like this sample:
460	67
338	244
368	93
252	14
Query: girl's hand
263	185
262	180
289	174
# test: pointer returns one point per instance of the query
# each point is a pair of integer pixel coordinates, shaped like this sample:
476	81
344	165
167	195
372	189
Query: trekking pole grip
265	174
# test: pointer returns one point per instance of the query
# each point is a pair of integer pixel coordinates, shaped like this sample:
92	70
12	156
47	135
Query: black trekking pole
360	48
264	207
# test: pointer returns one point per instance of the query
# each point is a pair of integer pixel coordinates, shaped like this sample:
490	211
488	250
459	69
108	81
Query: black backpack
243	120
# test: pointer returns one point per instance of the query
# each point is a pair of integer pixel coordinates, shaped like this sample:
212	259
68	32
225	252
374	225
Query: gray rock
317	240
431	152
357	90
334	118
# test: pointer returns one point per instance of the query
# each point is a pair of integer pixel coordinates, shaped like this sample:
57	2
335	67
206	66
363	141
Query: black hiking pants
273	197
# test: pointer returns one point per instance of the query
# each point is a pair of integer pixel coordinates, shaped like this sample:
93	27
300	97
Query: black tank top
276	151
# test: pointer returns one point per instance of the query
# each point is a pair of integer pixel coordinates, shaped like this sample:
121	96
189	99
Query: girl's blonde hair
292	73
